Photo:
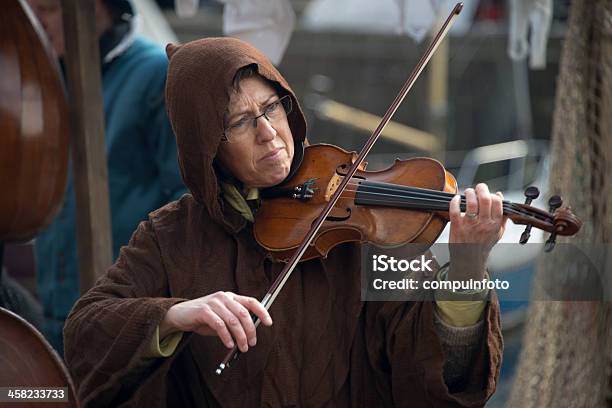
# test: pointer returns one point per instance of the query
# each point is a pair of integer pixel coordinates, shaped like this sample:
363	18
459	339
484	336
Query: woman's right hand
223	314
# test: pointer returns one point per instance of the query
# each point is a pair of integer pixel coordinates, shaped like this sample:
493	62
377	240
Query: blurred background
361	60
484	115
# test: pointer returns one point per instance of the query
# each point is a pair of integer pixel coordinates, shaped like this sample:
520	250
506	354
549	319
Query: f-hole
344	168
339	215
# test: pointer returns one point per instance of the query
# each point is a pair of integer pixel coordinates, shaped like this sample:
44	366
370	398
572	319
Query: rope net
566	357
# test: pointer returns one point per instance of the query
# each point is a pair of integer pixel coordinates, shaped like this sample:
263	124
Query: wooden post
87	140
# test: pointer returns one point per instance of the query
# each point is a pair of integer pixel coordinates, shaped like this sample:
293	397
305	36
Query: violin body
281	223
33	125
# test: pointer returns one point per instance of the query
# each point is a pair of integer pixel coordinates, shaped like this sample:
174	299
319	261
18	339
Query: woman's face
257	156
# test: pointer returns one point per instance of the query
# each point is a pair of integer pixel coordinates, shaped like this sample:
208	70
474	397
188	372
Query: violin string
441	195
508	208
437	203
428	192
418	203
438	206
424	192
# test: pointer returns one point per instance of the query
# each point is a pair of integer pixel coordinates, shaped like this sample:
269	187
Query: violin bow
278	284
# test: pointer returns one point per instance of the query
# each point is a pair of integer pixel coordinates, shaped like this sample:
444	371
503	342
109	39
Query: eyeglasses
244	126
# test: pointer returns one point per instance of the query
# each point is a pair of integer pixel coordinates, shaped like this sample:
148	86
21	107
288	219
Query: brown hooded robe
326	347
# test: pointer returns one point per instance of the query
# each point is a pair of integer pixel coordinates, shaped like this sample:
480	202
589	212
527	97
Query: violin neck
374	193
399	196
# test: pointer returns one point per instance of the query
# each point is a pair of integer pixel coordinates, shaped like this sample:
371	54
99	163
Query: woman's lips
273	154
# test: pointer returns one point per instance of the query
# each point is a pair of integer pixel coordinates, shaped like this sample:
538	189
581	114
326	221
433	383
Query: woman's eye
239	123
272	107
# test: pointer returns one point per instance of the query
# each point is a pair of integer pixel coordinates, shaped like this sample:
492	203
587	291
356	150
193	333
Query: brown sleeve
460	345
406	353
108	331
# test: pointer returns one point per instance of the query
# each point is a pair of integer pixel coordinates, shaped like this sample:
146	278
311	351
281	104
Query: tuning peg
531	193
554	202
525	235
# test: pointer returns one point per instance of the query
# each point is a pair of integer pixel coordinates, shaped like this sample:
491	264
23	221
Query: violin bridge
332	186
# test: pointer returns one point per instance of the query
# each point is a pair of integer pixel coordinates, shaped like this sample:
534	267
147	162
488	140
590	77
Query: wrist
454	293
166	327
465	271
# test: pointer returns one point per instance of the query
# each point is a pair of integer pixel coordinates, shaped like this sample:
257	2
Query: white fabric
414	18
186	8
151	23
265	24
418	17
529	16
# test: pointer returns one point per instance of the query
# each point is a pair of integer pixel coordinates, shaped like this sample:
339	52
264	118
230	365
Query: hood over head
198	87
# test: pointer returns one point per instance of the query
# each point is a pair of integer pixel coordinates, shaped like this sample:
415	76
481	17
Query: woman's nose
264	129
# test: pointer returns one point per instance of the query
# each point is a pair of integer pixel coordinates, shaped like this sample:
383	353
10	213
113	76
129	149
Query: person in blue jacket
143	172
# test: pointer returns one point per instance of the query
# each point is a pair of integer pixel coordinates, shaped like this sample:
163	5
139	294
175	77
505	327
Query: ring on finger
471	215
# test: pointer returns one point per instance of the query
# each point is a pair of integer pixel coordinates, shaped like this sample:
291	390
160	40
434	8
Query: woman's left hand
481	226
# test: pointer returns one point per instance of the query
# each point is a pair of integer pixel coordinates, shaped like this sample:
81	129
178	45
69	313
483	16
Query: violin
405	203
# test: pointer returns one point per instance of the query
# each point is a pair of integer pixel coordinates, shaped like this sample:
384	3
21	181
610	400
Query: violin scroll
558	220
565	223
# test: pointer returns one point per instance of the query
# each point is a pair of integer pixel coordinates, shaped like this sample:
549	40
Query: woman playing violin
155	326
